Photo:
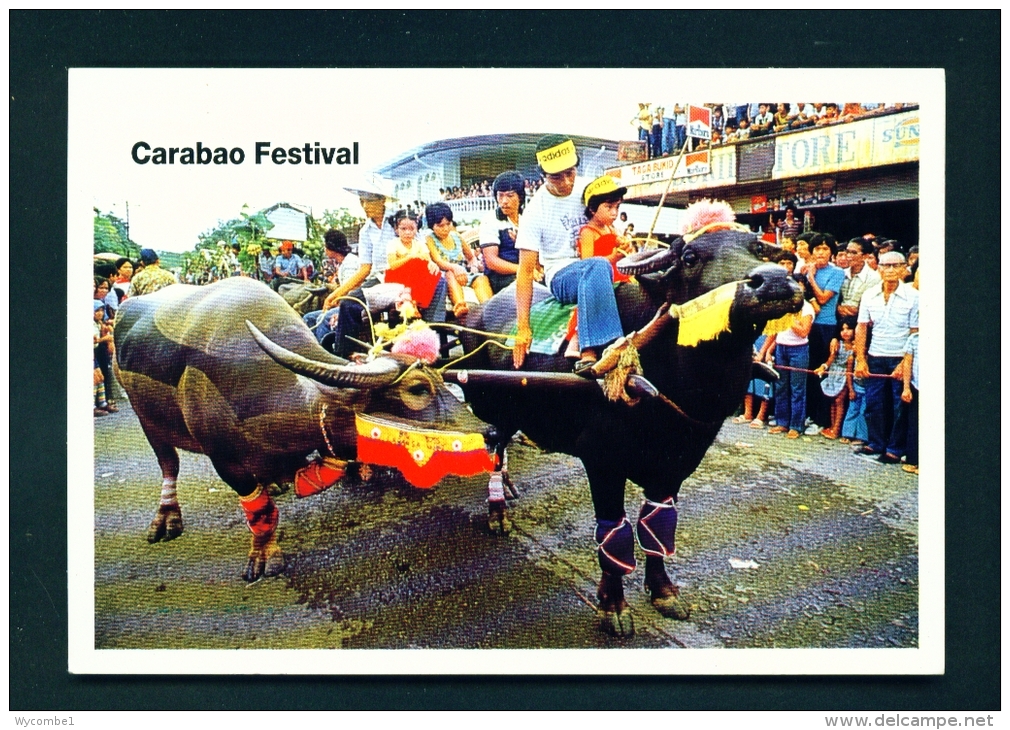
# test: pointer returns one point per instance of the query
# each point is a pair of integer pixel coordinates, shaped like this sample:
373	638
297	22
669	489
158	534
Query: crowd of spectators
663	127
483	189
848	361
115	282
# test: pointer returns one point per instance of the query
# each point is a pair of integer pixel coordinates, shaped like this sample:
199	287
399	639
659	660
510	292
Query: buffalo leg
615	543
499	489
167	522
656	528
265	556
615	549
498	520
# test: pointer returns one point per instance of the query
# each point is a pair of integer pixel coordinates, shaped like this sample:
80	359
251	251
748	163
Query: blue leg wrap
615	546
657	526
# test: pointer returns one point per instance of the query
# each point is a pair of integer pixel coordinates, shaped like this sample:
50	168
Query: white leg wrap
168	494
495	488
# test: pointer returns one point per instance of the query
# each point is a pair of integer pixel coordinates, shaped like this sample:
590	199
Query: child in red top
602	198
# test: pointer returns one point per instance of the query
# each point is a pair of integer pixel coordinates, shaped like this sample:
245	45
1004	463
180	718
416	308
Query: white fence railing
466	208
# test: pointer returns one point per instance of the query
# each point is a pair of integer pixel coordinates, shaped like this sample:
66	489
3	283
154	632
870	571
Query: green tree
111	236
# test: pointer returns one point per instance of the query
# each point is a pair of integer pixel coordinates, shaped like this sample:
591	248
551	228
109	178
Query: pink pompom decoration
422	344
705	212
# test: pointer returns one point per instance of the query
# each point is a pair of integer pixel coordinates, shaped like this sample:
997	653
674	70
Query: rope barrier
814	372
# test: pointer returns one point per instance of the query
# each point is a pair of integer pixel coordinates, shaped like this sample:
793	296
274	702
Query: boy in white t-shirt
548	233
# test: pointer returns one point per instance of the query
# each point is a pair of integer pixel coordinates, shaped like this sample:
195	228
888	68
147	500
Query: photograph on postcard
556	361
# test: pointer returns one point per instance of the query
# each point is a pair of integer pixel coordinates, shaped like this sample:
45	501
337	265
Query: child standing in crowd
910	396
792	351
103	339
841	355
854	426
759	390
602	198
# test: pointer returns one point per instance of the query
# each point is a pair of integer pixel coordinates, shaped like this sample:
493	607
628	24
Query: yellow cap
601	186
559	157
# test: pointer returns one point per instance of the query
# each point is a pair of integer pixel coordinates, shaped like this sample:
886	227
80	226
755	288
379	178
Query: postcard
311	450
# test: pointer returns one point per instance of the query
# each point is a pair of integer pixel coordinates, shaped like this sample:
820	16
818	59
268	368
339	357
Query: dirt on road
781	544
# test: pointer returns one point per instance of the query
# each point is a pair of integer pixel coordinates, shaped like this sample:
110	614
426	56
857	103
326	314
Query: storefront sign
865	143
701	169
699	122
632	151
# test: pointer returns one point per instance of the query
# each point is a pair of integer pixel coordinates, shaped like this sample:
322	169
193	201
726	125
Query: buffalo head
397	387
692	266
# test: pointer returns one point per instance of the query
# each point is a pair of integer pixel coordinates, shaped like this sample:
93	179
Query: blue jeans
681	135
791	390
589	284
885	413
669	136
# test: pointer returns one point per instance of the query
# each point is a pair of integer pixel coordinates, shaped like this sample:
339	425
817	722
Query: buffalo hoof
498	520
266	561
671	606
618	623
614	613
166	525
664	595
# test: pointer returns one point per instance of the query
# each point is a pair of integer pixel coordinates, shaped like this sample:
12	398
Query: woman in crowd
121	285
792	351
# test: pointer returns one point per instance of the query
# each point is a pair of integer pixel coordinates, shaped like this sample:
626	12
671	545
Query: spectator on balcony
806	115
679	126
669	138
643	123
656	135
741	133
851	111
762	122
783	118
718	120
829	115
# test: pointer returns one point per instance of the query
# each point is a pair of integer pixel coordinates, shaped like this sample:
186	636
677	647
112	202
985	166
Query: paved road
383	565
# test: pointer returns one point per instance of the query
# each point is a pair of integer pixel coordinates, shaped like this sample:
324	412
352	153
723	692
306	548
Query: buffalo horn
375	374
645	262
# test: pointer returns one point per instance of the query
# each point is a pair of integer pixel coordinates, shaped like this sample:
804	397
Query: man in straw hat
548	233
374	237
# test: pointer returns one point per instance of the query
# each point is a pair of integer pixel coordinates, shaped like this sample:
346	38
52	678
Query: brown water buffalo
229	370
658	442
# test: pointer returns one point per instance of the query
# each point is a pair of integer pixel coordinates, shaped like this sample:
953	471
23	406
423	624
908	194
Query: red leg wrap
260	513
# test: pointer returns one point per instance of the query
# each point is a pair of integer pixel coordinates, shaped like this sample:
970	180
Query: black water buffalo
230	371
658	442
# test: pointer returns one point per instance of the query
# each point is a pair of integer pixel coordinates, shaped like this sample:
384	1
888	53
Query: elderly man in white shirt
888	314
